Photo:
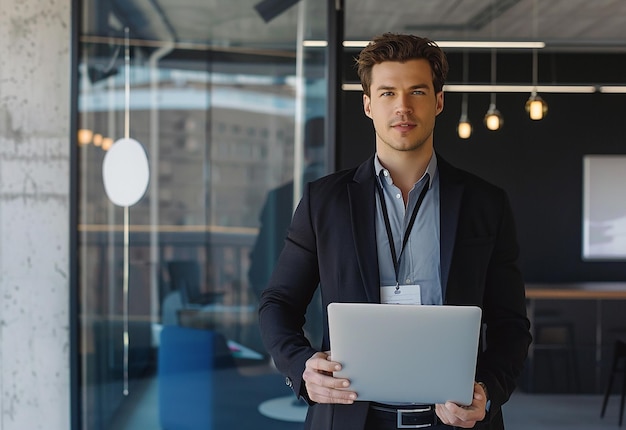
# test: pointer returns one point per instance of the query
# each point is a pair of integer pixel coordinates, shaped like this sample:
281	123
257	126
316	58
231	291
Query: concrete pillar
34	214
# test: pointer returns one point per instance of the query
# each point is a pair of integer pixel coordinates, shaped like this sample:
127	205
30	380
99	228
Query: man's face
403	105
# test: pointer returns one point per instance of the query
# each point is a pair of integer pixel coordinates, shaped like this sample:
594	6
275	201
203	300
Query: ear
367	105
439	107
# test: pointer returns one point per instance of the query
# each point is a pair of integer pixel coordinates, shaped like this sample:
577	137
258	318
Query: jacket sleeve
283	303
507	335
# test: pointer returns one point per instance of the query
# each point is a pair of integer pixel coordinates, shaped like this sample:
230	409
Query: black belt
407	417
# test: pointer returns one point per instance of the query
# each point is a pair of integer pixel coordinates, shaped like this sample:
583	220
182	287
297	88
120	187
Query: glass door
226	100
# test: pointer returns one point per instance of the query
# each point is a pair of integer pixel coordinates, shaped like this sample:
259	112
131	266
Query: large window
169	286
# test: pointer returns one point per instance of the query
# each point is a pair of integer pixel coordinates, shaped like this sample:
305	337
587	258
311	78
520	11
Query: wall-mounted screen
604	201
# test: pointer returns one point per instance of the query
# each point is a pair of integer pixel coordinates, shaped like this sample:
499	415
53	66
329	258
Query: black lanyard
409	227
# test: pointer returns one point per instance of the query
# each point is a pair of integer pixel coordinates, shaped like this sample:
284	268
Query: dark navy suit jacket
331	241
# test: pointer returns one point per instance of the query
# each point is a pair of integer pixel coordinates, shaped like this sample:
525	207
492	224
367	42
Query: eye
386	94
418	92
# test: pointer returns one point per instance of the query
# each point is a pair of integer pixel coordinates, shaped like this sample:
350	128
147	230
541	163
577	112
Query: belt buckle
400	424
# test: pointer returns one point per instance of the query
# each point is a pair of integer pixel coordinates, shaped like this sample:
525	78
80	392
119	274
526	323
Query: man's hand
464	416
321	385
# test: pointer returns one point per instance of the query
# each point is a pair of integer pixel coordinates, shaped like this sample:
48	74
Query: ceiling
562	24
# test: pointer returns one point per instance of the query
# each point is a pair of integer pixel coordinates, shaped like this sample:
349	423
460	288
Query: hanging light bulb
107	143
97	139
536	107
84	136
464	129
493	118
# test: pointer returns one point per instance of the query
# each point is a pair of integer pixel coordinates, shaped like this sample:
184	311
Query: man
461	249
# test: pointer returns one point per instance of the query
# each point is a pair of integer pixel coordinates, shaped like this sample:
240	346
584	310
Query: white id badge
404	295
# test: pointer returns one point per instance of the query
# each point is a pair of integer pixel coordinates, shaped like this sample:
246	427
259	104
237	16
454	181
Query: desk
217	315
592	291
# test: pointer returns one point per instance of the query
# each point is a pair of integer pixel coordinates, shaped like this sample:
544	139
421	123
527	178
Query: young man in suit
461	249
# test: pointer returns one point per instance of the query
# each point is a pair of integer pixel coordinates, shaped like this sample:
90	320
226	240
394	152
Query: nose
403	111
403	107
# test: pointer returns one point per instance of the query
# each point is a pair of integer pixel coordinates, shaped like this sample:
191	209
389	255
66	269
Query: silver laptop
406	353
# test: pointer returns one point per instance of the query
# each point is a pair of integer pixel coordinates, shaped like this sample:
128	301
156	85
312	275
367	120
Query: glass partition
229	105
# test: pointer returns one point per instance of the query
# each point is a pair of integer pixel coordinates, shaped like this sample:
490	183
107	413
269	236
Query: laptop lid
406	353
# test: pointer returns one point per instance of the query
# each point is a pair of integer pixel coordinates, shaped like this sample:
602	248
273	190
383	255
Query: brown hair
401	48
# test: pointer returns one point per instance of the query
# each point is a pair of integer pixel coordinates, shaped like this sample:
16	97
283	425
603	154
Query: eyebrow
412	87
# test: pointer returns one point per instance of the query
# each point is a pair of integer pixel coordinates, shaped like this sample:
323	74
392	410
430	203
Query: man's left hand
464	416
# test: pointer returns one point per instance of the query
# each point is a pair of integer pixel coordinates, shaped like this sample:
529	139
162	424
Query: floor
523	412
558	411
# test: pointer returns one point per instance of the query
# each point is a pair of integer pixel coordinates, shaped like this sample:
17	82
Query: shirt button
385	173
398	196
408	281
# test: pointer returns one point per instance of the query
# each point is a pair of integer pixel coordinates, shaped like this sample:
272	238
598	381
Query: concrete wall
34	214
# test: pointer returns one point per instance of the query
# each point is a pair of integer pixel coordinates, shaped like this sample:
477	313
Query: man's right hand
321	385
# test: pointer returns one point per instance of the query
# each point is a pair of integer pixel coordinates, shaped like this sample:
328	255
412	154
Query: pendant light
464	129
493	118
84	135
536	107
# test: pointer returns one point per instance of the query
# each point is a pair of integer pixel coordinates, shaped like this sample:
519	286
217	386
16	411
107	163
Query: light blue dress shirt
420	262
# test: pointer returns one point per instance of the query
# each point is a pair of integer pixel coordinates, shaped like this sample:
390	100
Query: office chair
618	366
188	360
185	277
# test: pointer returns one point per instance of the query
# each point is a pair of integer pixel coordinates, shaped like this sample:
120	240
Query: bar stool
555	336
618	366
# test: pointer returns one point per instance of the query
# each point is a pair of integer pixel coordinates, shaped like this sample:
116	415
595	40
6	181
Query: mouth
403	126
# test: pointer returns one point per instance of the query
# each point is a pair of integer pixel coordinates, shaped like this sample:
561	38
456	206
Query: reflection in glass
222	117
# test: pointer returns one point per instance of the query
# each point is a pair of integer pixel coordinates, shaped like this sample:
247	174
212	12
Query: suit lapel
450	192
361	195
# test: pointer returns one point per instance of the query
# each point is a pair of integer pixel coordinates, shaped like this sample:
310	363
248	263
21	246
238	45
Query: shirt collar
381	172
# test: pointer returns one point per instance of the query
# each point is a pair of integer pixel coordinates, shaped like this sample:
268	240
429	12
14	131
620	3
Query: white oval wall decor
125	172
